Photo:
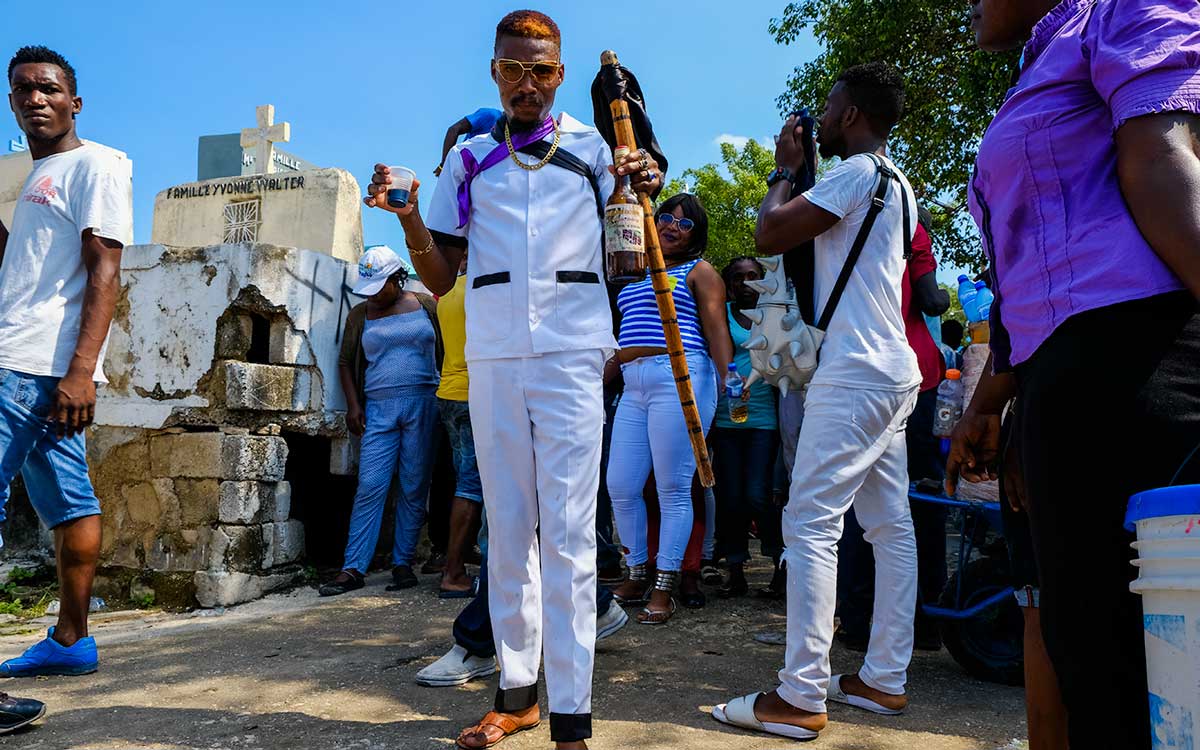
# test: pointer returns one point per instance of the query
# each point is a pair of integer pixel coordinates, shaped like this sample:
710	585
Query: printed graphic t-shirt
43	277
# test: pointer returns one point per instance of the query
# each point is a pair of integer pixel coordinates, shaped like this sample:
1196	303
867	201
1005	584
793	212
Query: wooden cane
623	127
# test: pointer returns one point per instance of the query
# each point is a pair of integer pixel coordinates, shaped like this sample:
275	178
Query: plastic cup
402	180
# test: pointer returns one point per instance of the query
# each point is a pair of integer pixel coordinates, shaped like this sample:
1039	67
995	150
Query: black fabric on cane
618	82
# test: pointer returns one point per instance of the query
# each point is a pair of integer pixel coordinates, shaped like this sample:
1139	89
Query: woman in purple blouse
1087	194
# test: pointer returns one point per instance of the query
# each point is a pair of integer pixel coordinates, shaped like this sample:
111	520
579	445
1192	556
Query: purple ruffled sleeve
1145	56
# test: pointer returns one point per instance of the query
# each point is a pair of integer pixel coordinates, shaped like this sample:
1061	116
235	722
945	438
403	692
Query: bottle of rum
624	231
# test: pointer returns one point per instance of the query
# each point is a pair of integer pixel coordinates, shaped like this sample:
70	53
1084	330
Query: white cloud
738	141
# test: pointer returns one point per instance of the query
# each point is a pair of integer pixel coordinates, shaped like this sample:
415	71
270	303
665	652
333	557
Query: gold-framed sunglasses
542	71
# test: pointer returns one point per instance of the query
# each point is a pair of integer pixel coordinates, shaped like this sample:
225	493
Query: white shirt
865	346
43	277
532	225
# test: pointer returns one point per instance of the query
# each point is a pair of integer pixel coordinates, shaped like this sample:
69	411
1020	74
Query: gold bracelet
423	251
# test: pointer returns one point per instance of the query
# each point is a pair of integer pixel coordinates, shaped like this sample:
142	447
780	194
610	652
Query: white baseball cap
375	267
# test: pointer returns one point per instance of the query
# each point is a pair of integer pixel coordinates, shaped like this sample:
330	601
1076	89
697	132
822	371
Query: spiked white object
783	351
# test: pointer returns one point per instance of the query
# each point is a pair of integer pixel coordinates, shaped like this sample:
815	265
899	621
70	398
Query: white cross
264	137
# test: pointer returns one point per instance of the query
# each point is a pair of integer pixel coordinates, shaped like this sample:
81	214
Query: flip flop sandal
626	601
451	594
835	693
492	719
656	617
739	713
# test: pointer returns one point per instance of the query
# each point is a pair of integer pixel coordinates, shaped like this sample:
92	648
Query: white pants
538	423
851	450
649	431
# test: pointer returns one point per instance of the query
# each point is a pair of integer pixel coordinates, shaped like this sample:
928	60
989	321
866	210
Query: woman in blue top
744	452
649	430
389	369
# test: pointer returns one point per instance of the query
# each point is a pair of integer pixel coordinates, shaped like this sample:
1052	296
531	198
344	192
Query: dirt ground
295	671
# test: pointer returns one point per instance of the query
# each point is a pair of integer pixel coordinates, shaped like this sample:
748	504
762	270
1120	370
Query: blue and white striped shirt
641	325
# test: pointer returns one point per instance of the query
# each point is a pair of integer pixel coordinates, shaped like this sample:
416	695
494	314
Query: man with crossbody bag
863	386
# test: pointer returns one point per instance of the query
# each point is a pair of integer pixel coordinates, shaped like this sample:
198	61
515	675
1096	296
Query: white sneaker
456	668
611	621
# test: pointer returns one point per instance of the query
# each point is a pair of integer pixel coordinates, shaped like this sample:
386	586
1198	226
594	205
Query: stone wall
206	512
216	355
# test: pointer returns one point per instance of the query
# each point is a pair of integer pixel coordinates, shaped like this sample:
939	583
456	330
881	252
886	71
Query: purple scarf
494	157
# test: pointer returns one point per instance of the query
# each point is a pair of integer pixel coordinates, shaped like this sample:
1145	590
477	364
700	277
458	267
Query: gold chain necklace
512	152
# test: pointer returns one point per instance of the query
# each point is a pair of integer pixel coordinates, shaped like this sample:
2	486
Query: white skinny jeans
649	432
851	450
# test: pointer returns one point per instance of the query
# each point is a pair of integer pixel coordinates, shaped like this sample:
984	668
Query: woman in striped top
649	431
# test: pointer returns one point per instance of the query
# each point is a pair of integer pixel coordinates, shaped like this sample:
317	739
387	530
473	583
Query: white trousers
538	423
851	450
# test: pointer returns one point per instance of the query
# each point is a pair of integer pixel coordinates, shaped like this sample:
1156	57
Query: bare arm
355	419
438	268
1158	164
453	133
783	224
75	404
975	444
931	299
709	291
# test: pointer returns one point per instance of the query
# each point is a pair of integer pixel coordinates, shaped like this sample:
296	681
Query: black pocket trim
578	277
489	279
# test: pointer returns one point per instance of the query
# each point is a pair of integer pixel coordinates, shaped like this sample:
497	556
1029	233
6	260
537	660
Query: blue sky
368	82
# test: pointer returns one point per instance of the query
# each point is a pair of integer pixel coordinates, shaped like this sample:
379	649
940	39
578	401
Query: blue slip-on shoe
49	657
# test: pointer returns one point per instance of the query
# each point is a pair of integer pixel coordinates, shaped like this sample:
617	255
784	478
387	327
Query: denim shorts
55	471
456	417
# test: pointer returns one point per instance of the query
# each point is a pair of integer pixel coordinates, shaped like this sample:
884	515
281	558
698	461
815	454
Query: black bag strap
886	175
570	162
906	234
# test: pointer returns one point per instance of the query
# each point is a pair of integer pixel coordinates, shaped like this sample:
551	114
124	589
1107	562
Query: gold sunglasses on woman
542	71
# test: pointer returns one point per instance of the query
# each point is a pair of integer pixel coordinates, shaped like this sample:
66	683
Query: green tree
952	90
731	193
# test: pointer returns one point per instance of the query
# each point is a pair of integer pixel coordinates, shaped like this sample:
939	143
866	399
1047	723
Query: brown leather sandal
493	720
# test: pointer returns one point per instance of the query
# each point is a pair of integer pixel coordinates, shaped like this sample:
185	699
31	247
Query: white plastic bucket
1168	548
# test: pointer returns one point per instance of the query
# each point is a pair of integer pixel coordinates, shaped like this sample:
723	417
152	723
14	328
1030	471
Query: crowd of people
556	392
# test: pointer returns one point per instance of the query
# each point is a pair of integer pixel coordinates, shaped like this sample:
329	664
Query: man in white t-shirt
59	277
851	447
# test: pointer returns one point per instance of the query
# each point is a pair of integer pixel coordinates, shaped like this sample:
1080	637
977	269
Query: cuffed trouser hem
511	700
570	727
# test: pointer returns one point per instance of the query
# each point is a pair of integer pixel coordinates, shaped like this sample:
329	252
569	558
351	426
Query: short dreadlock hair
40	54
528	24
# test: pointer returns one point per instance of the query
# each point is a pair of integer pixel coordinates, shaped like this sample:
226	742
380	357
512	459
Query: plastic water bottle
966	298
739	410
983	301
949	407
